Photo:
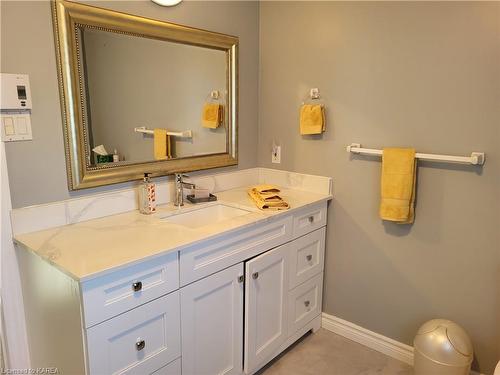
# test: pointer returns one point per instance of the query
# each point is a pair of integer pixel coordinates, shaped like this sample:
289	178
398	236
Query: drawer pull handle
255	275
309	257
140	344
241	278
307	303
137	286
311	219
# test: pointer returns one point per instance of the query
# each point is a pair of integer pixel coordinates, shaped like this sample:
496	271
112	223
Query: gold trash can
442	347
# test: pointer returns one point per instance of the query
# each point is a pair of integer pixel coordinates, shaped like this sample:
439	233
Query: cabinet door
212	324
265	306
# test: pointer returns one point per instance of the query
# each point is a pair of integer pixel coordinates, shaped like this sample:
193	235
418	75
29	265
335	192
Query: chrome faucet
179	189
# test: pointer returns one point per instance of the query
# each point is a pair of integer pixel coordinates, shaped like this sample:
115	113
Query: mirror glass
135	84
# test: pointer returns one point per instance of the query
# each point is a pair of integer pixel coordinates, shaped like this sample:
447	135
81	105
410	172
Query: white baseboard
370	339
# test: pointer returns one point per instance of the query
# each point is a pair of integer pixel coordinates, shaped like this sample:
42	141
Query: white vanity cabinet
226	305
283	278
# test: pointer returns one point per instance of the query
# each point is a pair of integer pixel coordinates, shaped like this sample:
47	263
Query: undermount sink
203	216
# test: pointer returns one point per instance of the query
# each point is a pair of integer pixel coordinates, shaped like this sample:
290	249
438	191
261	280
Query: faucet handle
179	176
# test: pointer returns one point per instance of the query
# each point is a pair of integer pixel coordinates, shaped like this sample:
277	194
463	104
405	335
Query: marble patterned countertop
89	249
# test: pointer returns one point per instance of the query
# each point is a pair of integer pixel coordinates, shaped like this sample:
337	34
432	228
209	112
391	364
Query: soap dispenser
147	196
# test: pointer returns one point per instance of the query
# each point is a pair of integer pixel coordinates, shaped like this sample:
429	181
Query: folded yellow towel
312	119
162	146
267	197
266	189
212	115
398	185
269	202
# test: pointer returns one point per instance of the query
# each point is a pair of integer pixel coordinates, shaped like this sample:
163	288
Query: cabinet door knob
307	303
311	219
140	344
309	257
137	286
241	278
255	275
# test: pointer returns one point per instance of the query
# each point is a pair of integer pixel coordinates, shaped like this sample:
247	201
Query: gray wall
425	75
37	170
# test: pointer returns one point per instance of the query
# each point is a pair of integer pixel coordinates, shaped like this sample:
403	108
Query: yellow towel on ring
162	145
399	171
270	204
212	115
312	119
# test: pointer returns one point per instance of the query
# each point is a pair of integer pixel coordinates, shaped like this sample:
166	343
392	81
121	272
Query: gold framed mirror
163	98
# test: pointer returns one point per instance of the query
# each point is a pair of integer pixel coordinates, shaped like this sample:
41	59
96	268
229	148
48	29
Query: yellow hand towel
271	203
162	146
268	197
398	185
212	115
266	189
312	119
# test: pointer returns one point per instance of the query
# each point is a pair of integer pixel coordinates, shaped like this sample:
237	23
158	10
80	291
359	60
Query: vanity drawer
139	341
306	257
173	368
309	219
199	261
120	291
304	303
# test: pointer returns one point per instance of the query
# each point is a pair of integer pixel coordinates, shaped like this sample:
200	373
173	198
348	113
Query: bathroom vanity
218	288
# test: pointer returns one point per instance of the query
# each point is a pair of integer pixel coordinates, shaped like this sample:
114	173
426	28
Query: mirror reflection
149	99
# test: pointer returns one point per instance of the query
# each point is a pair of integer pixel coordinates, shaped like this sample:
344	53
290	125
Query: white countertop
92	248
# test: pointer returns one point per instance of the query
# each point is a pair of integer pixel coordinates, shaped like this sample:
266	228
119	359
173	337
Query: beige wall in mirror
139	82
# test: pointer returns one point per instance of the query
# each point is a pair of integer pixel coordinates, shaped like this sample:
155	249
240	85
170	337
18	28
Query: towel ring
314	97
214	96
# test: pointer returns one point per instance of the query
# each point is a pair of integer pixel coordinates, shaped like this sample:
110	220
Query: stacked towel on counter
266	197
162	145
399	173
312	119
212	116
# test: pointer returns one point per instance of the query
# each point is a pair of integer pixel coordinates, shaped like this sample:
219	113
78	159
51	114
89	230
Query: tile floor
325	353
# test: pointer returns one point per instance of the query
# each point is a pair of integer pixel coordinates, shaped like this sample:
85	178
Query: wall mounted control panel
15	107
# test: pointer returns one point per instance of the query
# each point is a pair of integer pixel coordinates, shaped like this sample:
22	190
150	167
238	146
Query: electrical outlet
276	155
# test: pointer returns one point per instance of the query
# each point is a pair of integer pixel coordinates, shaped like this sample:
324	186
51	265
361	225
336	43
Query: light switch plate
8	126
16	127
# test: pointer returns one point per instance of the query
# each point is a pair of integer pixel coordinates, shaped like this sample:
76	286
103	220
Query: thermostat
15	107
